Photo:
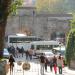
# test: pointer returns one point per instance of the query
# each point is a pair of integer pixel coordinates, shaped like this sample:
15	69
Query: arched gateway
40	24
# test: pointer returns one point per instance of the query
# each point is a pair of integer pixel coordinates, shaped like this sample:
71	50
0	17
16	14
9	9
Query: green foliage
70	49
55	6
8	7
14	5
72	22
47	5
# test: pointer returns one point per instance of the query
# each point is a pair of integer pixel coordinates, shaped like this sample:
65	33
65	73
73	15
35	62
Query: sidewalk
69	71
35	69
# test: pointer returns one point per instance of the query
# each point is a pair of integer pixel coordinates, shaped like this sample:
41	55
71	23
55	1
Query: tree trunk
2	34
4	12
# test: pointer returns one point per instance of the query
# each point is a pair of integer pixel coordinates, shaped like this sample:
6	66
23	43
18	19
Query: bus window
45	45
22	40
42	46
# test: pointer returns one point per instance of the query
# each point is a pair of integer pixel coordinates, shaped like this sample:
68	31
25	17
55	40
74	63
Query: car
6	54
49	55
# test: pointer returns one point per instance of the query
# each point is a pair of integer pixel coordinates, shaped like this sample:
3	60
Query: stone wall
38	24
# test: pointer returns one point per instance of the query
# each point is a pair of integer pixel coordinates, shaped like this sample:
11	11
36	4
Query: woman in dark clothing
27	54
11	60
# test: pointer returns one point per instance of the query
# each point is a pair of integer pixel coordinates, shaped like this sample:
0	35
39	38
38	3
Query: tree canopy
7	7
56	6
70	50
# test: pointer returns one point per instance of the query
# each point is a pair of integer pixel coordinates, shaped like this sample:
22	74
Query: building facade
45	25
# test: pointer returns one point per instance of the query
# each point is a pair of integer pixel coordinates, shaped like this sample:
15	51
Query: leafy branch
14	5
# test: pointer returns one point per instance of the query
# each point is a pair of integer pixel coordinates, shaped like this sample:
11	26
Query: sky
29	2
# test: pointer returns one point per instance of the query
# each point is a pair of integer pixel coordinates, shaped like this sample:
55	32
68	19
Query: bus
44	46
22	41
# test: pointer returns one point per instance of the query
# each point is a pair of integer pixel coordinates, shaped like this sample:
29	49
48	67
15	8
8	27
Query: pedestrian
30	53
42	63
18	50
55	64
51	64
27	54
46	63
16	53
11	61
22	51
60	63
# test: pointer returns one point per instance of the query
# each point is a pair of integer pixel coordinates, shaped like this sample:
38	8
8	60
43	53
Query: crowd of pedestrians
17	52
55	63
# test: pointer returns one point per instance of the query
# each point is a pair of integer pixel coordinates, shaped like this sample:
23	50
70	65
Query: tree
6	7
52	6
70	50
72	22
4	4
56	6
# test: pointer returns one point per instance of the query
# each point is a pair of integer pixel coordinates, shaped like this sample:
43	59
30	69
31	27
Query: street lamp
60	46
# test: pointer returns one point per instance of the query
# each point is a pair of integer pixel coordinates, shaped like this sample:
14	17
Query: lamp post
60	46
33	14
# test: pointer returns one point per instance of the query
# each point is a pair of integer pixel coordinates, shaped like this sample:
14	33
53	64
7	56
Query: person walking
51	64
22	51
60	63
55	64
11	61
27	54
30	53
42	63
46	63
16	53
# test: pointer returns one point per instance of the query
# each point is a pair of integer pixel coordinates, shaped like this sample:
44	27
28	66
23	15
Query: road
35	68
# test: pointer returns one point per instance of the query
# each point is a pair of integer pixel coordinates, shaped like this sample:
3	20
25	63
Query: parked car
49	55
6	53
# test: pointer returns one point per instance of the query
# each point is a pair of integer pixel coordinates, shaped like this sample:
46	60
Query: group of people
54	63
12	60
17	51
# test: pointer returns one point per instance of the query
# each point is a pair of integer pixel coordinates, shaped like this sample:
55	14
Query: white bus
19	41
44	46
